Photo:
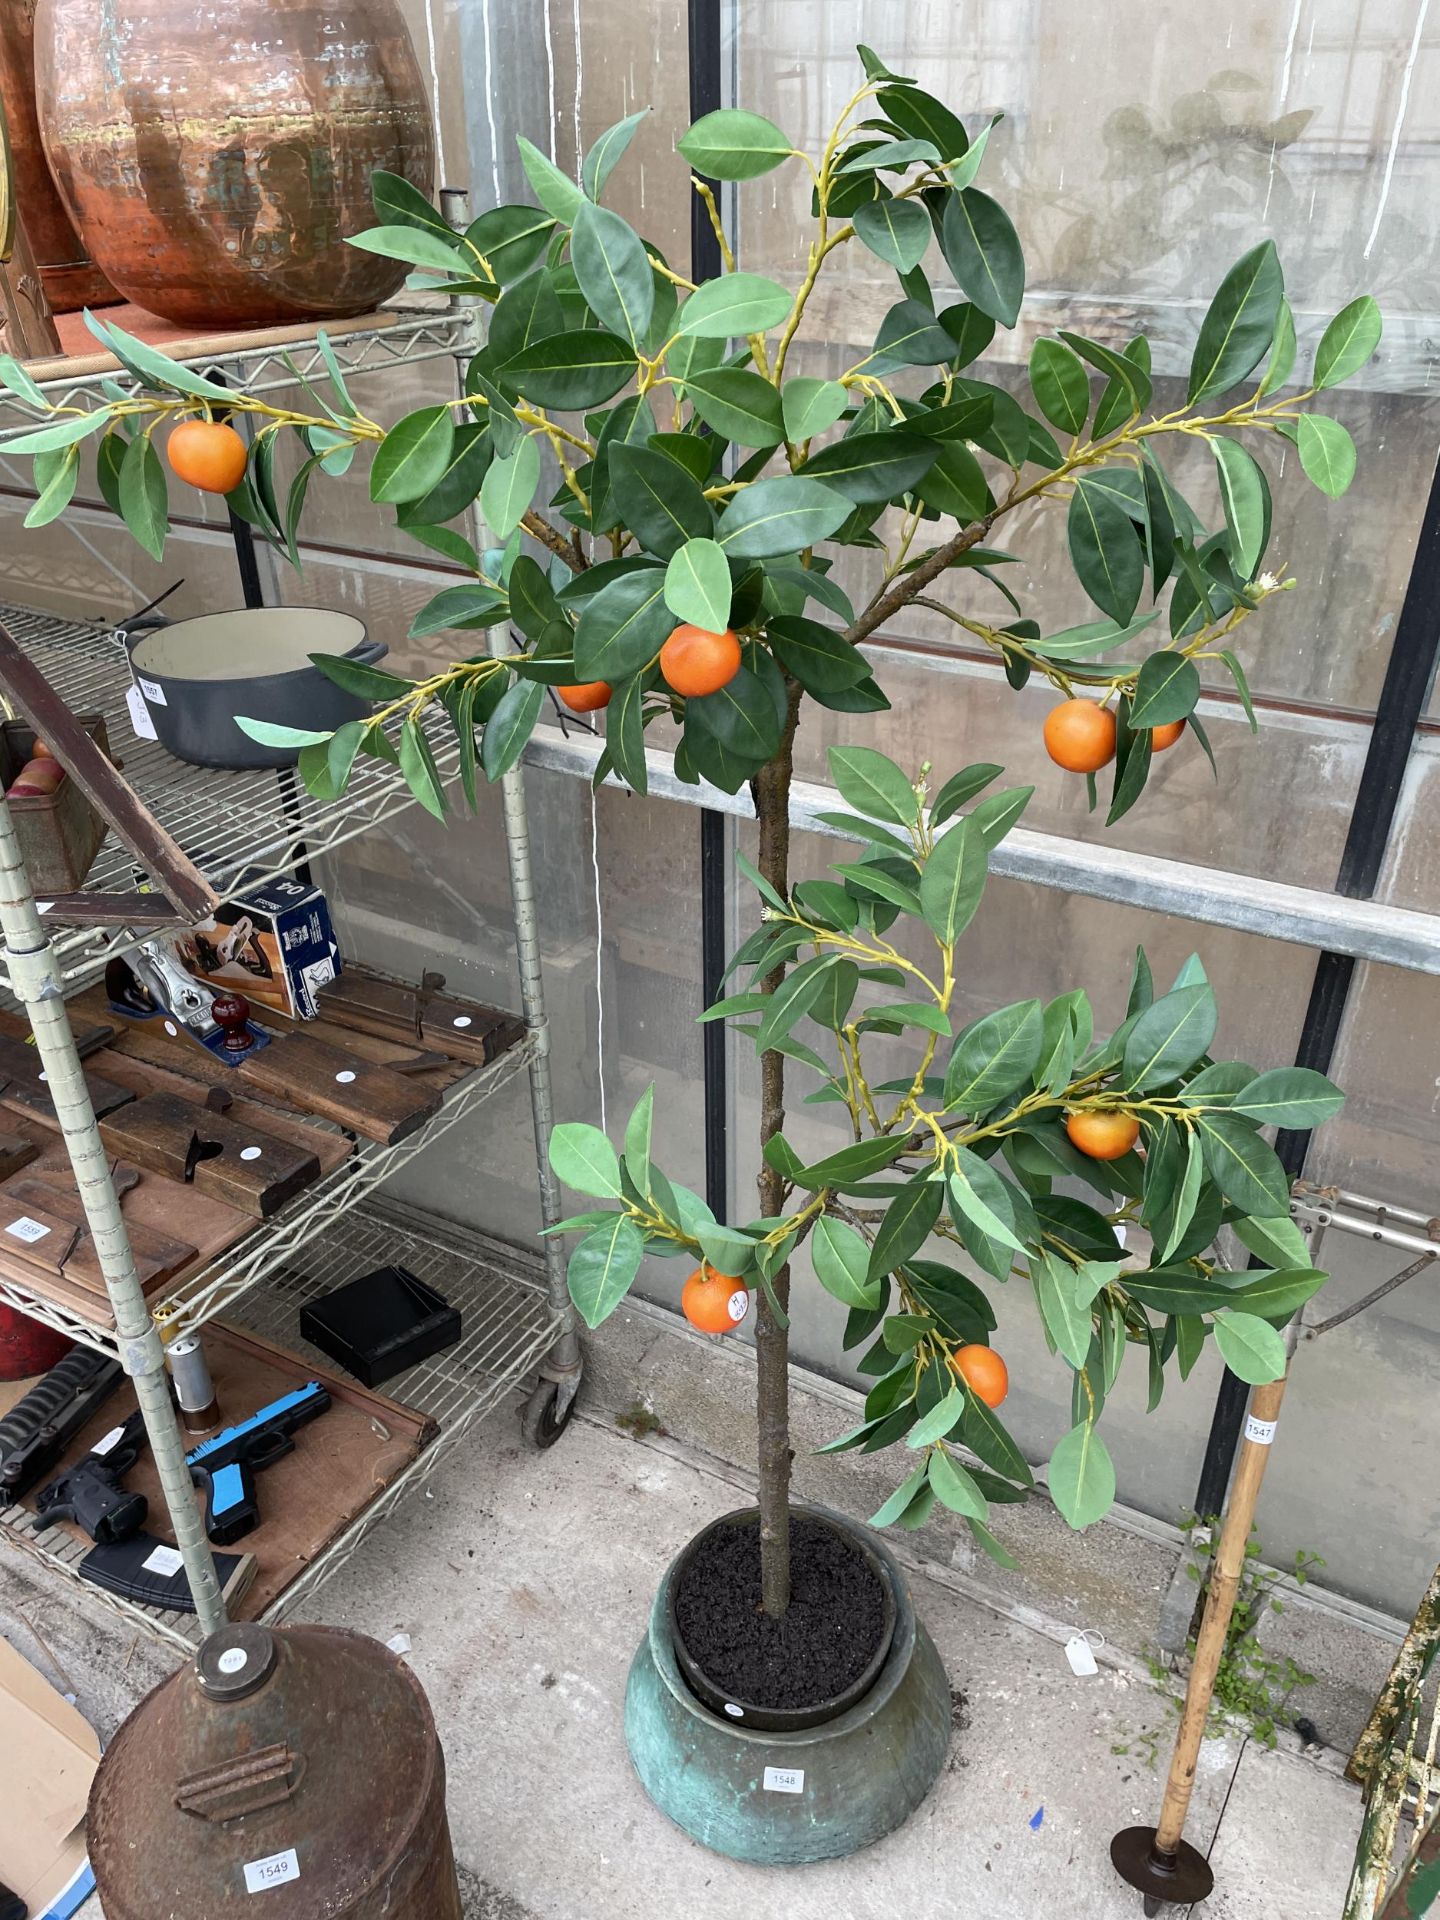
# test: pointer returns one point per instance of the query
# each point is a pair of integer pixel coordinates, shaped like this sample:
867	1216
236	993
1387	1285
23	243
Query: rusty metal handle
244	1785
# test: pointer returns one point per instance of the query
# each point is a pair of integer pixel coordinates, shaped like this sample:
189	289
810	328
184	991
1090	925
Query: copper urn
215	154
71	280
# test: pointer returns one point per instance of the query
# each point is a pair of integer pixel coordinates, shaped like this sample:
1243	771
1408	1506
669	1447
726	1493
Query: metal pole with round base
788	1798
1164	1879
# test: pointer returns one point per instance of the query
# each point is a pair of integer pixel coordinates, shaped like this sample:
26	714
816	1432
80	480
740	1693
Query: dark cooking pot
197	675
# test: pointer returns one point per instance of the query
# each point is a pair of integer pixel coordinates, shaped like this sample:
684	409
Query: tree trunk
772	1341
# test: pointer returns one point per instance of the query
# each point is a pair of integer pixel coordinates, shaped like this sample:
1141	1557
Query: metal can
298	1761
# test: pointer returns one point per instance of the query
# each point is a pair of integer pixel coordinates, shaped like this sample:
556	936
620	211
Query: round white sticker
345	1076
44	1076
462	1020
735	1713
250	1153
233	1660
738	1305
171	1028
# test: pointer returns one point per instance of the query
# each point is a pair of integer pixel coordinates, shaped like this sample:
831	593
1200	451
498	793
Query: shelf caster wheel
541	1425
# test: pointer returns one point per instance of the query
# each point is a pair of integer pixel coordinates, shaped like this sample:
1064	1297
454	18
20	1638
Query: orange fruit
696	662
714	1302
1166	736
1103	1136
588	697
207	455
983	1371
1080	736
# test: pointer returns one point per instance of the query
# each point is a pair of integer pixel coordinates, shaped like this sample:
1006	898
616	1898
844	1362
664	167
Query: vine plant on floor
689	580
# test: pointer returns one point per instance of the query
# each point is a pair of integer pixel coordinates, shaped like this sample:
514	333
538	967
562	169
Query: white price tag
41	906
108	1440
27	1229
153	692
276	1870
784	1779
1262	1432
163	1560
1081	1655
141	725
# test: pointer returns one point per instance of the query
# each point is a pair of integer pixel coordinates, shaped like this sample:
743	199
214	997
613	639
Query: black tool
92	1493
39	1427
12	1907
143	1568
226	1466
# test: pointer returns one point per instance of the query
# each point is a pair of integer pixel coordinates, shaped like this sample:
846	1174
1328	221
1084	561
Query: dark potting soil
824	1642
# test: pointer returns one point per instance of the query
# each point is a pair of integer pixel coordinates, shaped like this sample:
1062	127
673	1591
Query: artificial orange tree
684	567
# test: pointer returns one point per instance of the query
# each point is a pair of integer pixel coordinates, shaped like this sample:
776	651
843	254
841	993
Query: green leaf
1082	1476
1348	342
1168	688
1105	550
810	406
152	367
873	785
662	505
1091	639
1060	384
821	660
399	203
357	677
959	788
510	727
779	516
571	370
1275	1296
906	1226
1281	363
697	585
942	1419
144	501
909	336
426	249
761	885
922	117
470	605
733	145
1327	453
895	1506
512	239
1250	1347
1244	495
509	488
527	314
896	154
895	231
625	733
607	152
56	476
971	1178
739	405
614	272
842	1263
740	717
1290	1097
583	1158
271	734
64	434
603	1267
953	881
1243	1167
1279	1241
457	485
983	252
963	172
851	1166
417	763
14	376
413	456
954	1486
1240	324
555	191
1170	1230
735	304
1169	1036
1064	1306
870	467
993	1056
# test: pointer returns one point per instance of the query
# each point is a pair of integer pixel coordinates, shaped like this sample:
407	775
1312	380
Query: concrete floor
523	1582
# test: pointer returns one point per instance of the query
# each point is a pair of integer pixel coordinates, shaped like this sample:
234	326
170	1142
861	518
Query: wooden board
15	1152
463	1029
383	1105
400	1055
339	1466
158	1256
89	1034
331	1149
36	1237
256	1172
23	1091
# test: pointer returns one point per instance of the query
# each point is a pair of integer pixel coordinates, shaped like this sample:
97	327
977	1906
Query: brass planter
215	156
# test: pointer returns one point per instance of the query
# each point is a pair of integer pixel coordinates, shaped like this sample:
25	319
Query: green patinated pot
782	1799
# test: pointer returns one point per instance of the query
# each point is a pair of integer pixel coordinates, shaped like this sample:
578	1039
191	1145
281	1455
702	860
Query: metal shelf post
36	981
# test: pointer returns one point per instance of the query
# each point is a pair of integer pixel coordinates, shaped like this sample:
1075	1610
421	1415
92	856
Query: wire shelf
257	823
507	1329
219	1286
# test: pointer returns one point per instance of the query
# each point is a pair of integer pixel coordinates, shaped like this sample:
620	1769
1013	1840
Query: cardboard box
48	1757
274	944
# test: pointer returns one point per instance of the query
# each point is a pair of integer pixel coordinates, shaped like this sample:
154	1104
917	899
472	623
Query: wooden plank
15	1152
88	1034
463	1029
168	865
158	1130
334	1081
158	1256
25	1091
403	1056
35	1236
111	910
331	1149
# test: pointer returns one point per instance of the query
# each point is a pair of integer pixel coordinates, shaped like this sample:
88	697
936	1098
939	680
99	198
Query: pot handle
129	631
368	652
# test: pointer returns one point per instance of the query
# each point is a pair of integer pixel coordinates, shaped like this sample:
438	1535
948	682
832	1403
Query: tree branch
889	602
540	528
